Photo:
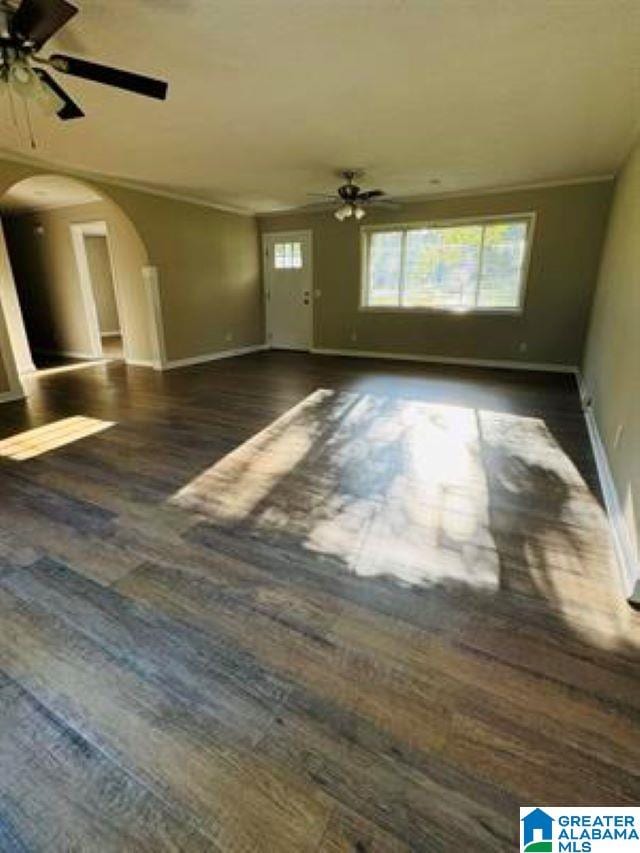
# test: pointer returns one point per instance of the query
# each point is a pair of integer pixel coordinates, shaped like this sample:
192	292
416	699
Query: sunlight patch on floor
419	494
235	486
34	442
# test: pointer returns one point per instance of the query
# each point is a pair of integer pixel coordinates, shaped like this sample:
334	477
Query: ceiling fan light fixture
24	81
343	212
352	201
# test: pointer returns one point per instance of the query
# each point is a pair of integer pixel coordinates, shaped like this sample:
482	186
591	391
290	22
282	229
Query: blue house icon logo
537	832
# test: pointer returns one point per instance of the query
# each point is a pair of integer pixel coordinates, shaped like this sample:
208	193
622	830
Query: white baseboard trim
140	362
627	561
438	359
171	364
11	396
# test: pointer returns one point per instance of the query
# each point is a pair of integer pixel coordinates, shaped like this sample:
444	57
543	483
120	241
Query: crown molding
48	165
321	207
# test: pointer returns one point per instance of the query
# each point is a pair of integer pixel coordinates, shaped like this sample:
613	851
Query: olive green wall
564	261
612	361
209	269
100	273
208	265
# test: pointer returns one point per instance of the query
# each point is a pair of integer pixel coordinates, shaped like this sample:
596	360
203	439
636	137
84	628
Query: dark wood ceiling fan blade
371	194
70	109
108	76
37	20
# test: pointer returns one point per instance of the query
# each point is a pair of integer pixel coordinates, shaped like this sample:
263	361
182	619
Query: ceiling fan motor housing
349	192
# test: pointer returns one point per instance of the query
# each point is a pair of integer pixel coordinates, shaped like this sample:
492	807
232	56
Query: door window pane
287	256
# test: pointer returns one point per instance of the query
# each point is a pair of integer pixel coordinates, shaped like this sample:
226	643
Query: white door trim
284	236
78	232
98	228
159	359
10	303
15	391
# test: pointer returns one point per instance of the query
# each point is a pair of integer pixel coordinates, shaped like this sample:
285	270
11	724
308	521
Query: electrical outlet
523	346
229	337
354	336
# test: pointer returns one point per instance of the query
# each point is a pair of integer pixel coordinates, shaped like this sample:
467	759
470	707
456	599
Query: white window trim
517	310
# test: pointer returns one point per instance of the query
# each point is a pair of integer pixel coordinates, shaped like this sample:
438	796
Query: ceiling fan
352	199
24	29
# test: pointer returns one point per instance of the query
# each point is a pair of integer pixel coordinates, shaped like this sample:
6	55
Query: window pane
384	268
452	267
421	266
442	267
502	258
287	256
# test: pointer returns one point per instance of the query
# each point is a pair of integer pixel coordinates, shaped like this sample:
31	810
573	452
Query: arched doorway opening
75	280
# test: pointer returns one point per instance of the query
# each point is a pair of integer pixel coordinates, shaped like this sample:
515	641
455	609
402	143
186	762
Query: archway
58	215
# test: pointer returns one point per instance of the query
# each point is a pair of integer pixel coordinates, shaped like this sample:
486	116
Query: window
463	266
287	256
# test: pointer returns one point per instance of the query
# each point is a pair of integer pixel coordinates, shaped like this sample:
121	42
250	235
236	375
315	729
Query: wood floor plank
390	696
444	671
350	833
235	799
288	602
162	651
60	793
308	734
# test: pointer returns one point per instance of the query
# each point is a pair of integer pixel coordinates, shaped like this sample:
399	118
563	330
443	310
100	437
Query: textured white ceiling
46	191
269	97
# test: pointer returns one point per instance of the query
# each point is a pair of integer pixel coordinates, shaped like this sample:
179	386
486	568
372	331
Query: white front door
289	290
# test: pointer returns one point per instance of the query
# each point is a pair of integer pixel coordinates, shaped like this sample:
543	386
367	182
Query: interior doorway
101	273
99	289
76	287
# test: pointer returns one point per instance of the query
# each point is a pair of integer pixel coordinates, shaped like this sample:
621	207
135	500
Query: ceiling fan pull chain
32	139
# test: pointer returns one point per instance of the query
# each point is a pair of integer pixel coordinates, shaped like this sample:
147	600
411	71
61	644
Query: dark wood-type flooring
295	603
